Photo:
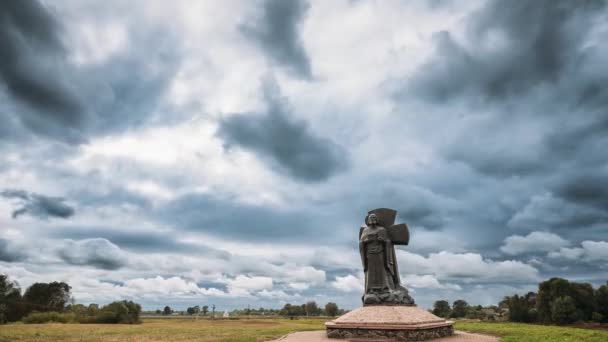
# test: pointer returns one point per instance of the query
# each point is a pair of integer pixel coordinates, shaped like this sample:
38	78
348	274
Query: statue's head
372	219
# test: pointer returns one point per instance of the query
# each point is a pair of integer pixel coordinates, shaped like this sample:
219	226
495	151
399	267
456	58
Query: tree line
51	302
557	301
310	309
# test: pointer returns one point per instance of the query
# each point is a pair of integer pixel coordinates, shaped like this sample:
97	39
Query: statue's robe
379	260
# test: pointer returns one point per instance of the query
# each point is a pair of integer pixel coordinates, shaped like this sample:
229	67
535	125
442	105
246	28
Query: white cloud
306	274
299	286
244	285
275	294
348	283
427	281
466	266
535	242
589	251
596	250
170	286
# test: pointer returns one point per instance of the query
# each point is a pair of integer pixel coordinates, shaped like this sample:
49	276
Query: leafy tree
459	308
167	310
475	312
292	310
47	297
597	317
116	312
583	296
158	311
442	308
331	309
92	309
197	309
521	308
601	300
190	311
205	310
311	308
563	310
11	306
77	309
548	291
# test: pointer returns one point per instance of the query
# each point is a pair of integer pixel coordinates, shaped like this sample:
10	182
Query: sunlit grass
512	332
175	329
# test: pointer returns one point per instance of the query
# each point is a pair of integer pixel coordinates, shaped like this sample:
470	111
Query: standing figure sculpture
376	245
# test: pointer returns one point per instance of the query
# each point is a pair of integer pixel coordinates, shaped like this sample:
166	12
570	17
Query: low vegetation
48	303
521	332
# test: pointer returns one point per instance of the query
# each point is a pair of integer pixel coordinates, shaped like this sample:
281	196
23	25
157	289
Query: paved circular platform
397	322
321	336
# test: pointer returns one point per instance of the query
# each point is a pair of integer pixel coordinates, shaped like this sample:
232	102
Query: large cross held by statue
399	234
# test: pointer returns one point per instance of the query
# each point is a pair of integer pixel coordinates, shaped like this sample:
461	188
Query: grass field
176	329
511	332
187	329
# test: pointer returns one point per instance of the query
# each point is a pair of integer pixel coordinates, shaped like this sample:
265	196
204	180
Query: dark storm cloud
587	187
418	207
537	67
9	252
510	49
148	241
276	31
238	221
37	205
550	211
28	36
286	141
33	69
55	98
99	253
523	94
129	87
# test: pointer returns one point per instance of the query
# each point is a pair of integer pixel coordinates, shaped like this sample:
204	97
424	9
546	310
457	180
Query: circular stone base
392	323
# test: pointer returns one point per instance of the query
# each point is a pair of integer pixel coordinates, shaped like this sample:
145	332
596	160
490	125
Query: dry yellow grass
175	329
253	330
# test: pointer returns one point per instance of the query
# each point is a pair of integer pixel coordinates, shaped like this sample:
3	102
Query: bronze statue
376	245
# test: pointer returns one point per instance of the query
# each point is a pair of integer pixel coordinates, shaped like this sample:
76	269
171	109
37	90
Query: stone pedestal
389	323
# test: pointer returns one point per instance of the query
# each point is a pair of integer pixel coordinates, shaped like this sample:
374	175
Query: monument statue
388	312
376	246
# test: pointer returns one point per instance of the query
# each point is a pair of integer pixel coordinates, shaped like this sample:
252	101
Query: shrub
49	316
597	317
442	308
563	310
459	308
116	312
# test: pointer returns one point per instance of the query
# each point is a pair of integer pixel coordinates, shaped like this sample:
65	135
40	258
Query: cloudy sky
226	152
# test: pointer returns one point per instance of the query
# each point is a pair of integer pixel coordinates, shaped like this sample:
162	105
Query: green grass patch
519	332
